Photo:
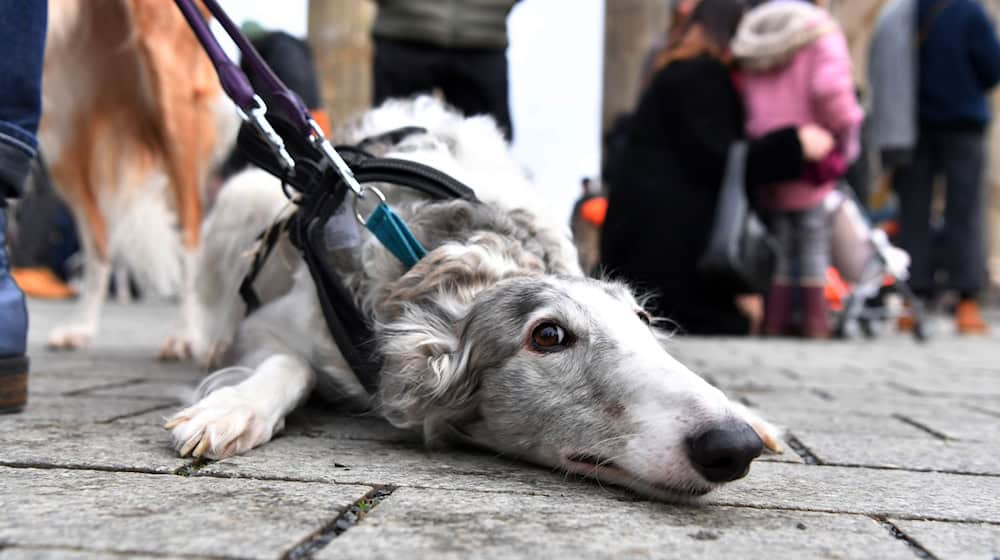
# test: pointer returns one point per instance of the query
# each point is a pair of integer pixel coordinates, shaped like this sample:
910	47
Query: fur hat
771	34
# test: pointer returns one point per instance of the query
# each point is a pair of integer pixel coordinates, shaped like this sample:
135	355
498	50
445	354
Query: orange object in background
41	283
595	210
322	119
836	290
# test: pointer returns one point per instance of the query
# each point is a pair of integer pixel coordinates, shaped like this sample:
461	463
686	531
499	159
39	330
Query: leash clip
257	118
320	141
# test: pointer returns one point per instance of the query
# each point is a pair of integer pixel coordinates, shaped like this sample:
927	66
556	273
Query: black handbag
740	252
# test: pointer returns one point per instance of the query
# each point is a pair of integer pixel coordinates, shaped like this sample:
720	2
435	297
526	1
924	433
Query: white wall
556	56
556	64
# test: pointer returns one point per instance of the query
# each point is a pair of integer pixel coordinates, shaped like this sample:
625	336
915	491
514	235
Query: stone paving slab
55	553
885	492
83	409
926	453
43	383
88	446
954	540
146	514
442	524
368	462
799	421
95	416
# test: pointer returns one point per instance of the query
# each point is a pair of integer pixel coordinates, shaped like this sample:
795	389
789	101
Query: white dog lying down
494	338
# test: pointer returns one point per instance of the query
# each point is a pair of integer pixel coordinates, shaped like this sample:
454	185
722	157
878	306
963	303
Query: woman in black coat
663	194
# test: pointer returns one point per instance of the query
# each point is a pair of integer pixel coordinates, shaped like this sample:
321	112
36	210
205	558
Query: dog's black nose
724	454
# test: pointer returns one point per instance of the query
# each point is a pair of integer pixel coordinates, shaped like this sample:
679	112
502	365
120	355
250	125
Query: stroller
868	272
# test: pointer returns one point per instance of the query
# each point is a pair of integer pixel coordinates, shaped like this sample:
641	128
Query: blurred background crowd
626	112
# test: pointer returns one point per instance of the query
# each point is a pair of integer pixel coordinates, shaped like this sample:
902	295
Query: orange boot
41	283
968	320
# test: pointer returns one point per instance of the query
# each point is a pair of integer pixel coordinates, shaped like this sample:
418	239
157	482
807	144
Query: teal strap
390	229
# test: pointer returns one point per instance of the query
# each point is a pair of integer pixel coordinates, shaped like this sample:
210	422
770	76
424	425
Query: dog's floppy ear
427	378
426	382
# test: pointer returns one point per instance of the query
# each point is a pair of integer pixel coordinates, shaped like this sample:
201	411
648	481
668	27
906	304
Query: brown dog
133	118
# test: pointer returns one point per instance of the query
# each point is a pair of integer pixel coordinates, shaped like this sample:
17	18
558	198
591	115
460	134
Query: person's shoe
968	320
41	283
13	335
777	310
815	313
13	384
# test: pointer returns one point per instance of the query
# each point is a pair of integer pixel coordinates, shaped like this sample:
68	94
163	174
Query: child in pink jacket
797	71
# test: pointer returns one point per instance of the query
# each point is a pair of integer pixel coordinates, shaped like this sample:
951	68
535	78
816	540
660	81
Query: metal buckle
259	121
379	194
320	141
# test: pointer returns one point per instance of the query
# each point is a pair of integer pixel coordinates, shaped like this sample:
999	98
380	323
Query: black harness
323	193
290	145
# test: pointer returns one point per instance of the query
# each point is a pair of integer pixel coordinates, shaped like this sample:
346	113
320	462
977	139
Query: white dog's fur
458	333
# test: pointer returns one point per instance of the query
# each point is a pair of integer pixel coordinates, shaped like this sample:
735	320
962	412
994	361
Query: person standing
958	64
458	47
23	27
662	198
798	71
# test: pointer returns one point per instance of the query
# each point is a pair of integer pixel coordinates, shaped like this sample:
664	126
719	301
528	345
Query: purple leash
252	108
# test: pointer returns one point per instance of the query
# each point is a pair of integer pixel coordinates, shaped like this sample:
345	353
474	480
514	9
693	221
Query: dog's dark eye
644	317
549	337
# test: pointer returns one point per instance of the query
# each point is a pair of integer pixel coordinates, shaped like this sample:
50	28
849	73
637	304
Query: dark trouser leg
914	185
963	159
478	85
402	69
813	232
814	258
778	304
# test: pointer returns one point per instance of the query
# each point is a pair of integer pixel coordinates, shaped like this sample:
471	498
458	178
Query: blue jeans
23	28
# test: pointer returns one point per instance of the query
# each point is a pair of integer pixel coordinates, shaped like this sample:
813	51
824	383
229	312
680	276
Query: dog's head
567	372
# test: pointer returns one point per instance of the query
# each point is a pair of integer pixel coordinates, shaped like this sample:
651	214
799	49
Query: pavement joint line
146	410
801	450
897	533
906	390
870	515
101	387
119	553
351	516
77	467
191	468
790	373
982	410
921	426
823	394
907	469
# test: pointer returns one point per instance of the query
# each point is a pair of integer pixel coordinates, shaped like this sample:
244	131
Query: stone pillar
339	33
630	28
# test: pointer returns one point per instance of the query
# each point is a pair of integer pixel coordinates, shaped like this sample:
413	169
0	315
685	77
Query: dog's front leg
80	332
181	344
232	420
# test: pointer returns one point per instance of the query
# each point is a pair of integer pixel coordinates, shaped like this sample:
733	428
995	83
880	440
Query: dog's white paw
176	348
223	424
70	337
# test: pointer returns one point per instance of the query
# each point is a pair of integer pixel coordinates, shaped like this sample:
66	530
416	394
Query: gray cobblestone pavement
894	452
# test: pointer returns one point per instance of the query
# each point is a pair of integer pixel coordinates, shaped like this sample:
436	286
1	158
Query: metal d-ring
361	194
